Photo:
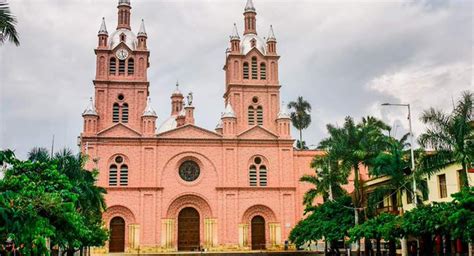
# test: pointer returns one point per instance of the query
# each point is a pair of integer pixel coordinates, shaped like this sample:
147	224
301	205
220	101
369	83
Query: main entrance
258	233
188	229
117	235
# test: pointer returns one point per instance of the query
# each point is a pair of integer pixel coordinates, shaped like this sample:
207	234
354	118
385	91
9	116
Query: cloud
344	57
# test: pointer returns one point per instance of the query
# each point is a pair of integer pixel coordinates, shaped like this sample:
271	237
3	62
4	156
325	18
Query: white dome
246	44
130	38
168	124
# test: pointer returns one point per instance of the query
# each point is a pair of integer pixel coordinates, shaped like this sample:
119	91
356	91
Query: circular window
120	97
255	99
189	171
119	159
258	160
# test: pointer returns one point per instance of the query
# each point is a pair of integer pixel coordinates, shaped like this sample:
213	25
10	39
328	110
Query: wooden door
188	230
117	235
258	233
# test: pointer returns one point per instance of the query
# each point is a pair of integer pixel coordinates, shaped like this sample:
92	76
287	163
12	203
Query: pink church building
172	185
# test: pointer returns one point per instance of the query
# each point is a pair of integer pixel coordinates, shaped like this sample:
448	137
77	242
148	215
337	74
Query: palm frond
7	25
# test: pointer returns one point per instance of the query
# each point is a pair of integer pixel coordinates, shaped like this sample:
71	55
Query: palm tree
300	117
354	145
7	25
327	178
450	135
39	154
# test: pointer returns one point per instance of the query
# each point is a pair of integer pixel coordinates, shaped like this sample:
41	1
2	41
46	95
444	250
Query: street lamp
411	146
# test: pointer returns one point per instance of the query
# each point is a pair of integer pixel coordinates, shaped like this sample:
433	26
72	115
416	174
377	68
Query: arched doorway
188	229
117	235
258	233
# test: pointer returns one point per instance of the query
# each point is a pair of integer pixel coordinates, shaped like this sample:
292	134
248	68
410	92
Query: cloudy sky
344	57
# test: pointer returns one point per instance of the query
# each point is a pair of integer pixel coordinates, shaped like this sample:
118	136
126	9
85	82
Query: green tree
330	221
328	177
424	221
450	135
52	198
461	218
36	201
384	226
300	117
354	145
7	25
90	203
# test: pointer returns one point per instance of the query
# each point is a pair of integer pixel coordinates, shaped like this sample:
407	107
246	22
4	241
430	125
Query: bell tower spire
250	18
124	8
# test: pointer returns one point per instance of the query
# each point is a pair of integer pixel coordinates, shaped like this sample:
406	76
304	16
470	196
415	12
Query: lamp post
415	200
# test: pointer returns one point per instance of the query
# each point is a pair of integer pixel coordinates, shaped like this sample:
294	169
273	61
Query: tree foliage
50	198
450	135
330	220
300	117
8	25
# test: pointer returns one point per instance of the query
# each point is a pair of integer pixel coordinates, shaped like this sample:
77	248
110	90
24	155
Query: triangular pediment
256	50
257	132
119	130
121	45
190	131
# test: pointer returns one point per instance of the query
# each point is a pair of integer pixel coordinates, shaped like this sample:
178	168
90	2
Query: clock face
122	54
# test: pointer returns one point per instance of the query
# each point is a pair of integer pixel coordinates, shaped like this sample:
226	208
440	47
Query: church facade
172	185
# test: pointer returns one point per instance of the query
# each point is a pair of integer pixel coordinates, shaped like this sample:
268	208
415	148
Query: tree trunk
392	248
379	251
70	252
301	138
464	180
356	202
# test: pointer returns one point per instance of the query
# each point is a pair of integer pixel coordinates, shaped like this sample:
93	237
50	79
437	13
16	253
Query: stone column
134	236
275	234
243	235
167	233
210	232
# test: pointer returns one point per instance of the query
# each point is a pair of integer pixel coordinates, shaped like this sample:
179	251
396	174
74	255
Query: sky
344	57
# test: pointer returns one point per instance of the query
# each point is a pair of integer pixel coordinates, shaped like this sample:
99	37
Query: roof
90	109
229	111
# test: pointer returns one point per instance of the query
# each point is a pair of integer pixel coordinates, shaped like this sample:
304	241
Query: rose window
189	171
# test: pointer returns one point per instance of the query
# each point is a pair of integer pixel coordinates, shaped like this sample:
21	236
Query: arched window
254	68
246	70
113	175
251	115
124	175
263	71
112	66
258	172
122	37
259	115
121	67
125	113
253	175
115	113
131	66
262	173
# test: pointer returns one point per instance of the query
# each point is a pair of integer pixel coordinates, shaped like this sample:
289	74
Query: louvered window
124	175
253	176
113	175
246	70
112	66
125	113
251	116
263	175
263	71
115	113
131	66
259	115
254	68
121	67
